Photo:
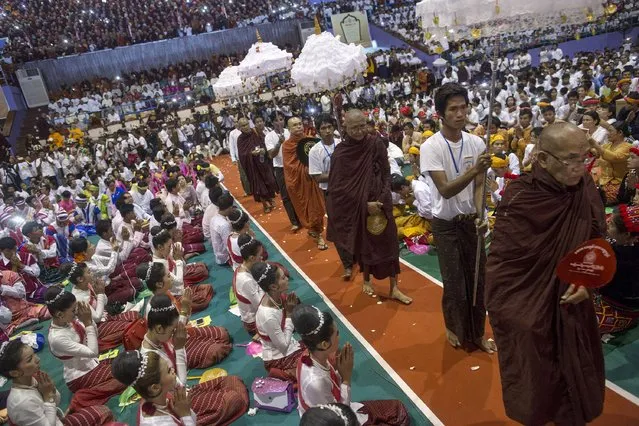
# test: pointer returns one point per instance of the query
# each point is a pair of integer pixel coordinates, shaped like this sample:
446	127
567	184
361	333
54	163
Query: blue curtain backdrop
112	62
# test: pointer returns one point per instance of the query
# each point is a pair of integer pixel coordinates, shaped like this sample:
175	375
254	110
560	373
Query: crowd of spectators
401	21
39	29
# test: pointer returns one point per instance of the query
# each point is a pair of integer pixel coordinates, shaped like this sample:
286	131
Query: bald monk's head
355	124
243	125
296	127
563	149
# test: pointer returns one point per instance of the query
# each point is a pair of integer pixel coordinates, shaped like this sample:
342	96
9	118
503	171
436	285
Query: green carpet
370	381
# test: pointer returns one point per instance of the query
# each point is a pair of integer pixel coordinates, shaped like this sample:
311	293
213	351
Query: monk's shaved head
563	148
355	124
296	127
243	125
555	136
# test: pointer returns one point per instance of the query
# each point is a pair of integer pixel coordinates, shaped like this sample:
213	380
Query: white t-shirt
270	140
319	160
437	154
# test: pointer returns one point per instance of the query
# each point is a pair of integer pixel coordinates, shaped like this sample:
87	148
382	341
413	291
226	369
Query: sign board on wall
352	27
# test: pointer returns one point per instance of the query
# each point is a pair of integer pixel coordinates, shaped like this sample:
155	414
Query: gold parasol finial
318	29
259	37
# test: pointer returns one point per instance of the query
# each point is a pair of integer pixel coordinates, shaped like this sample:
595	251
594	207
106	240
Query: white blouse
220	230
166	420
246	286
180	360
315	388
235	248
177	275
97	307
65	342
25	406
268	321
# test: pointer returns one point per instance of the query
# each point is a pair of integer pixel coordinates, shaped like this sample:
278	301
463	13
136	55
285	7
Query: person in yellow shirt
56	139
612	165
77	135
520	134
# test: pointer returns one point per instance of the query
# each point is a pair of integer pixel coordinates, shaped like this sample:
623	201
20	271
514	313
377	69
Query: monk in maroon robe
257	165
359	186
550	352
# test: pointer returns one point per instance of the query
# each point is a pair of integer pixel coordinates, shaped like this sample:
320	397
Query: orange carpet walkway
410	338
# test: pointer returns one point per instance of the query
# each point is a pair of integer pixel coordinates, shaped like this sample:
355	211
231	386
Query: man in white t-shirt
319	165
457	161
273	141
233	135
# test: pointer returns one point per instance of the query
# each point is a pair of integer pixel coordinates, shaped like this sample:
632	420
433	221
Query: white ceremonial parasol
231	85
326	63
264	59
447	20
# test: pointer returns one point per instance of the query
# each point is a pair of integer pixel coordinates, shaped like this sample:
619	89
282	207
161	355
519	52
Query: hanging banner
352	27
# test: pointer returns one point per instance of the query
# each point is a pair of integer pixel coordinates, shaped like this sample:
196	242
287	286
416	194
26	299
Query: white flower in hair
335	409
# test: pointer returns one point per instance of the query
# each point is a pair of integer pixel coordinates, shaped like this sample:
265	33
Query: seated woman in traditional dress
73	339
89	290
248	293
612	165
154	379
192	246
404	193
617	304
33	398
216	402
319	382
329	415
207	345
43	248
13	299
280	351
159	280
25	265
630	182
120	290
240	225
172	256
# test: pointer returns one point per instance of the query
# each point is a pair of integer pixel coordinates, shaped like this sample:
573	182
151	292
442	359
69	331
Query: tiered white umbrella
264	59
231	85
326	63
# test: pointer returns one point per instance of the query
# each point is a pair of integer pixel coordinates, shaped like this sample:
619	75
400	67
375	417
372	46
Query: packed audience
401	20
39	29
151	197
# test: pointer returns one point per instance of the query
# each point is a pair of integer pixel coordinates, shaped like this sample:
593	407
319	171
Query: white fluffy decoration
325	63
492	17
263	59
230	85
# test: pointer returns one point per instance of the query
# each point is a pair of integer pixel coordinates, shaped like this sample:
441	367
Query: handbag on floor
273	394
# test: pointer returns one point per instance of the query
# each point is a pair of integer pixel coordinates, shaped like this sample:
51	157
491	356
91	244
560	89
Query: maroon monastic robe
360	173
550	355
259	169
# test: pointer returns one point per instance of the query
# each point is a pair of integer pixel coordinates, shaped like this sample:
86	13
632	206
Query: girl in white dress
33	398
153	378
280	350
217	402
320	382
247	292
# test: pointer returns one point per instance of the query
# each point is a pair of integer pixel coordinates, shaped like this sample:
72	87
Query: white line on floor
391	372
622	392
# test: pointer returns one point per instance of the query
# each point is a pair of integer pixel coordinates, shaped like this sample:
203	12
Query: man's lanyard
328	154
461	152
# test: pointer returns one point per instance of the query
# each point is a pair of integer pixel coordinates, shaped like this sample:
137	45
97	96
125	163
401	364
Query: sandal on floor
321	244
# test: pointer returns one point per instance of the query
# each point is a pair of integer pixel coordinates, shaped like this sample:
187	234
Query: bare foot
368	289
348	273
256	337
398	295
321	244
452	339
486	345
295	228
